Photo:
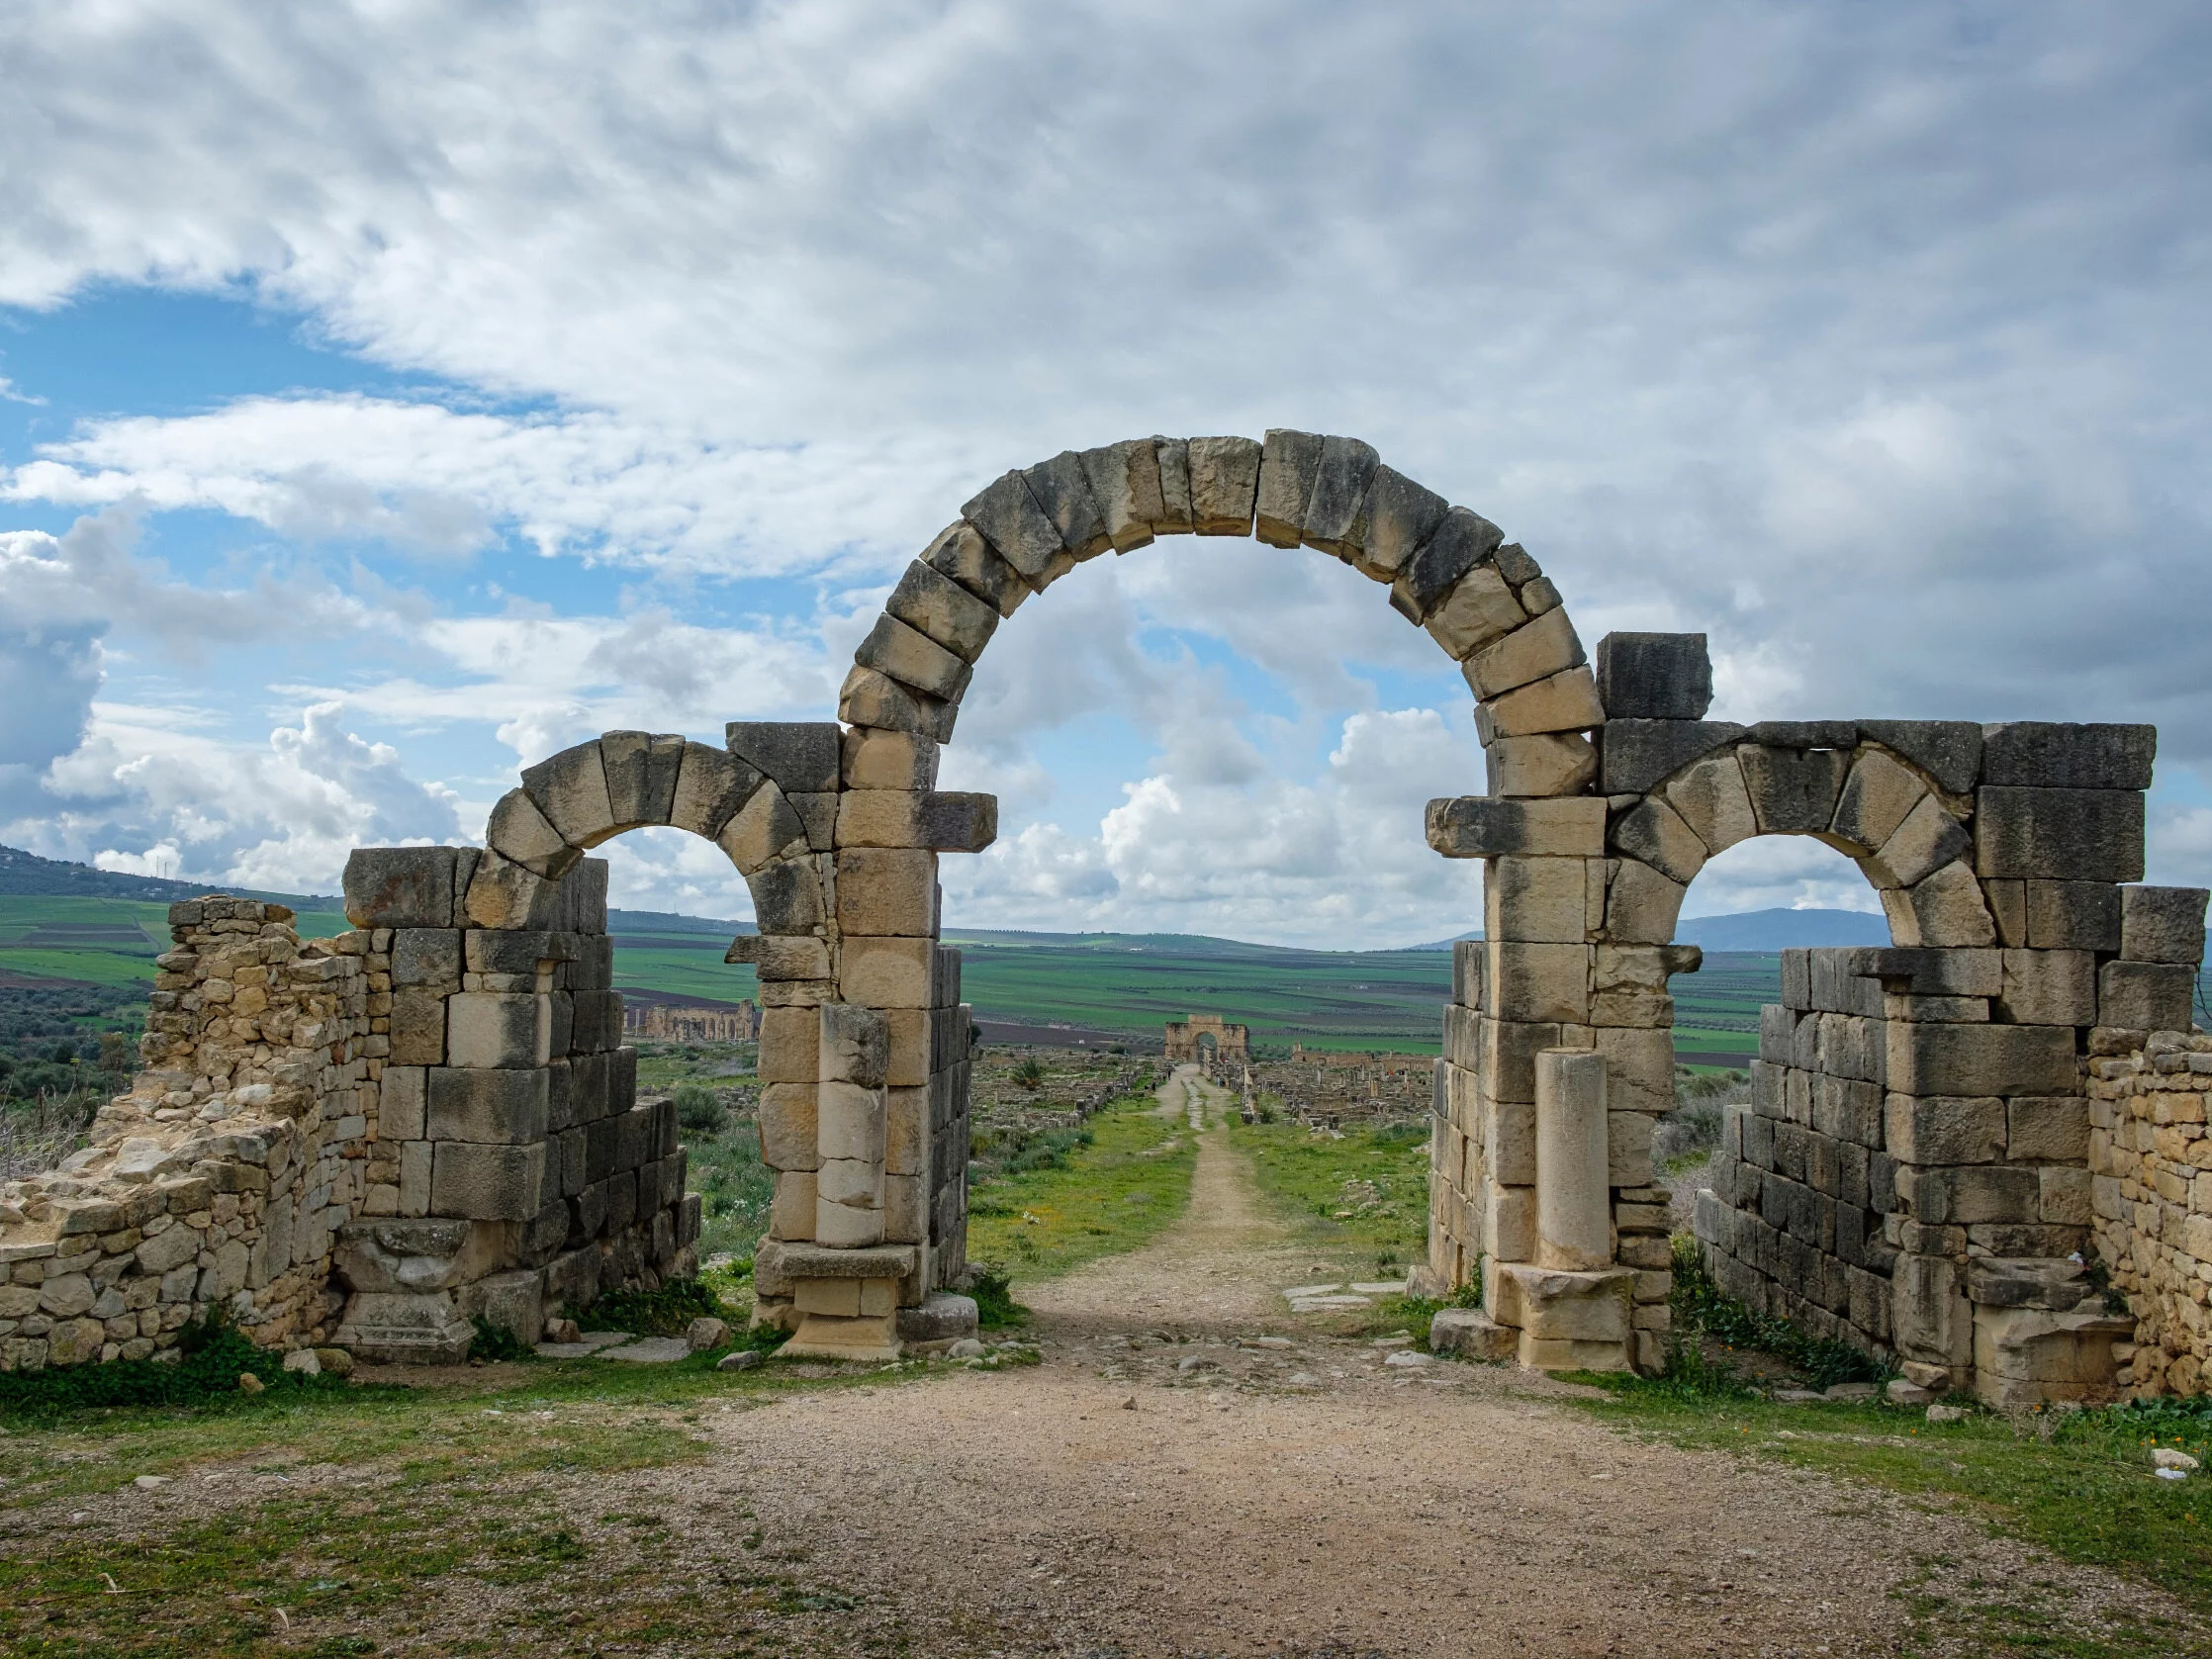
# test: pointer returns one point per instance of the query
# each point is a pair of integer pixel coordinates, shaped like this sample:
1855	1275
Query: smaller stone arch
1183	1039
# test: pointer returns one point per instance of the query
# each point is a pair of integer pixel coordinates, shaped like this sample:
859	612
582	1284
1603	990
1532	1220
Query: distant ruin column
1574	1210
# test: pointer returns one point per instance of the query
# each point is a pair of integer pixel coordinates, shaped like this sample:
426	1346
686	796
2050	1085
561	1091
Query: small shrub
992	1288
667	1311
700	1110
215	1354
1030	1075
496	1341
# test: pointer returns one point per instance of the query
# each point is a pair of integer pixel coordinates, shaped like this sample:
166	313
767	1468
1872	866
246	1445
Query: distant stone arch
1183	1039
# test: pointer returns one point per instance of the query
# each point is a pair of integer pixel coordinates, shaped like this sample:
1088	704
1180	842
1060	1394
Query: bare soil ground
1152	1488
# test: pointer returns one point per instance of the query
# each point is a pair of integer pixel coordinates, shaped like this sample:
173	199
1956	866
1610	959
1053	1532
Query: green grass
1105	1198
1364	1192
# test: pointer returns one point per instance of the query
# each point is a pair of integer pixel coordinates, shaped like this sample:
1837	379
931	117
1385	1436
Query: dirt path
1152	1488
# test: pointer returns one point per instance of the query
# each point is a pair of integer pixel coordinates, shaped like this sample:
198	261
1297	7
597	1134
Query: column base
1566	1320
867	1336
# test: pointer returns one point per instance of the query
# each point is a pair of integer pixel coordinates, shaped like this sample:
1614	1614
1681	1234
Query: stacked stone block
221	1178
524	1174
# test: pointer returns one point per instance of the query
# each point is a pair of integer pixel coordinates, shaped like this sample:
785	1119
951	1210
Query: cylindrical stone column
1573	1209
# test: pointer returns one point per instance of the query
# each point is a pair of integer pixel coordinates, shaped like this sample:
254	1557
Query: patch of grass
2077	1483
1366	1189
215	1355
1110	1194
1700	1306
666	1312
992	1288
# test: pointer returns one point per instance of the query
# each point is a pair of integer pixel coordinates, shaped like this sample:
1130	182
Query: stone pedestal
1567	1321
846	1301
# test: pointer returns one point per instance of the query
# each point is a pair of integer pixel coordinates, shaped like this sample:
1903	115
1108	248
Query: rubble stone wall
222	1180
2150	1168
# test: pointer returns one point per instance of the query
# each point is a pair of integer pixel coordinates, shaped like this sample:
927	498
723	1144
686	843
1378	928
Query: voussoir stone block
1948	751
1224	485
504	894
1636	754
802	756
1942	909
1482	826
1566	701
1712	798
1536	650
1642	905
1062	493
1542	764
961	553
641	777
940	608
1792	791
711	786
1402	516
1462	541
1654	677
912	658
1655	834
1289	461
2163	924
1009	518
1125	482
1172	458
520	833
569	790
788	897
871	697
1926	839
1875	798
1479	609
761	831
1336	509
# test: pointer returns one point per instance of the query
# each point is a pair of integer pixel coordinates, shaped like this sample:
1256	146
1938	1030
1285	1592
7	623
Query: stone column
1574	1211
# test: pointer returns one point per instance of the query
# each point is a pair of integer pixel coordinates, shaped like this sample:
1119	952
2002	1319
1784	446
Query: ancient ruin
378	1139
1185	1038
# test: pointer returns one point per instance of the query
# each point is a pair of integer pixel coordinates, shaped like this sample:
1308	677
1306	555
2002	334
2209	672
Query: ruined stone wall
521	1173
223	1177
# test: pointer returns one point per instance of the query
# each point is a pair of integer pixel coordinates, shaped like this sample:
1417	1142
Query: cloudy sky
391	394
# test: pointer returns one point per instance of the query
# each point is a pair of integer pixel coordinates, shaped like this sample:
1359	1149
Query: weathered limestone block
1508	1141
943	822
1875	797
1542	764
1793	789
1712	798
1123	479
1654	834
2030	1356
1536	900
912	658
1637	754
890	760
790	1214
2163	924
415	1027
2055	834
1639	1068
569	790
887	973
1567	1321
1478	827
1288	464
2072	915
1402	516
961	553
2048	987
1508	1225
2041	753
1173	458
1536	650
1479	609
641	776
1224	485
1628	1164
1063	494
790	1126
2051	1130
1018	529
886	892
1539	983
1458	544
1944	1128
1925	840
425	956
399	887
519	832
1566	701
870	697
1470	1333
946	613
711	784
790	1046
2146	996
765	829
487	1183
1641	904
497	1030
1629	984
1980	1060
1945	908
1574	1217
1948	751
502	1108
412	1255
1337	511
1654	677
405	1328
799	755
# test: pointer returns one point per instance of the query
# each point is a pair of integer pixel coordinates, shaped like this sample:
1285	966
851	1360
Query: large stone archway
1916	1173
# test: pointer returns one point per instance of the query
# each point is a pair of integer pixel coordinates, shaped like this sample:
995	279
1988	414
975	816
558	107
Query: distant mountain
1447	943
1782	930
